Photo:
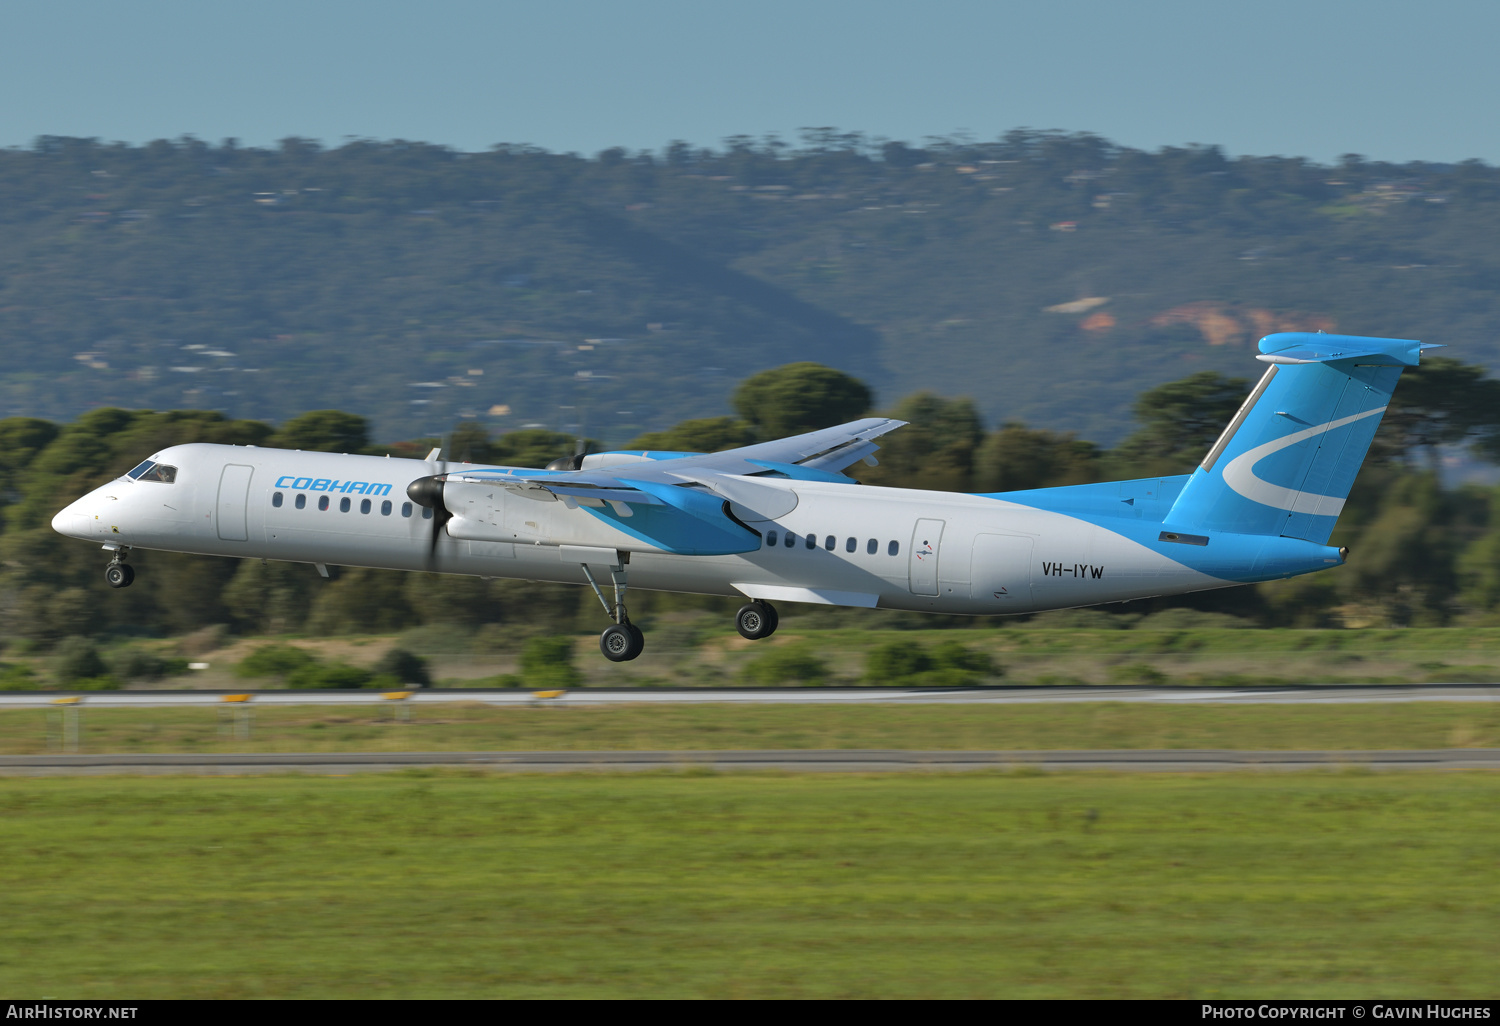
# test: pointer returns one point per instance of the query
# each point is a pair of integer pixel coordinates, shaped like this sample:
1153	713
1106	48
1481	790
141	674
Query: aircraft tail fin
1286	462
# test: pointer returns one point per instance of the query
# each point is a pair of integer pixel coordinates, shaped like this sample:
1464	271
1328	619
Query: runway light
237	698
548	694
396	696
70	700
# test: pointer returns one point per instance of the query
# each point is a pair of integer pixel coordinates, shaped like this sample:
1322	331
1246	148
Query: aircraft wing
829	450
817	456
696	503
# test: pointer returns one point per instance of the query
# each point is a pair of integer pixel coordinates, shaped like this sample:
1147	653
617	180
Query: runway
1329	694
815	761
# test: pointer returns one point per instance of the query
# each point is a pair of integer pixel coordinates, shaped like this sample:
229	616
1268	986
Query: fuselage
841	544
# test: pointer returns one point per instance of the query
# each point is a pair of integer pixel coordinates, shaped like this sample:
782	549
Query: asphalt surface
1288	694
825	761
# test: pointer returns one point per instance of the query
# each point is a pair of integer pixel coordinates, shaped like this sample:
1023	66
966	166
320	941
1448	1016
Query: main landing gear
621	640
756	620
119	574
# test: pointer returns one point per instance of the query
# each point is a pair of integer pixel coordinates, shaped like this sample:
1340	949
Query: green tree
469	443
1402	564
536	447
271	598
78	659
709	434
323	431
800	397
278	661
547	662
405	667
1442	402
361	601
786	664
1017	457
935	449
1179	423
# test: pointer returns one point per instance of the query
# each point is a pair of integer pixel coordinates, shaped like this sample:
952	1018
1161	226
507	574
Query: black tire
119	575
755	620
640	640
620	642
775	619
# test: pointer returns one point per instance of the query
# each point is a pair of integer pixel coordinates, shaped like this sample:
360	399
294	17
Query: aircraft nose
72	521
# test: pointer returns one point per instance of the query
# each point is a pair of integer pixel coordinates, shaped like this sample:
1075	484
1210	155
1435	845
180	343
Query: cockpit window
138	471
159	472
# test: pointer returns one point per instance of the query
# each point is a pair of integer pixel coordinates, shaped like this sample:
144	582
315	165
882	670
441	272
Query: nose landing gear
119	574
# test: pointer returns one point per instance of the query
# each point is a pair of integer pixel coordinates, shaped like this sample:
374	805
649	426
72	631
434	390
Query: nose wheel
119	574
756	620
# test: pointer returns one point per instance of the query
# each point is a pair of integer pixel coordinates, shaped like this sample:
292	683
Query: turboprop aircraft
779	522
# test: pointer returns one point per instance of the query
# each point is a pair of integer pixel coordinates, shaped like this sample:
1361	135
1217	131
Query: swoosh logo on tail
1239	474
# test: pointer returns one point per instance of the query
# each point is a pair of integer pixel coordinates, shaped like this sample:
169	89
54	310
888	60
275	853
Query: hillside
1050	277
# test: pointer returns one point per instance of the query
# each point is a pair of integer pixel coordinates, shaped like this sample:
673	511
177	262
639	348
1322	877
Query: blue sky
1392	81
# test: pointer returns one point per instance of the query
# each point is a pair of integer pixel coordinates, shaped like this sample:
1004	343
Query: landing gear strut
119	574
621	640
756	620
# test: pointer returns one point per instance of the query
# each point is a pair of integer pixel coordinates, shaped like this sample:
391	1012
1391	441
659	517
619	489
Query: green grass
703	651
427	884
475	727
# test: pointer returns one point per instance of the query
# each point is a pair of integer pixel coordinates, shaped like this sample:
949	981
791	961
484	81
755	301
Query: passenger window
385	508
364	505
791	539
301	502
344	504
830	542
276	500
406	509
322	502
812	540
426	513
894	548
771	539
851	544
872	546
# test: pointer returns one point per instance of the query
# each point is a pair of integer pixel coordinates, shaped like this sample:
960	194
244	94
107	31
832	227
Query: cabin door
234	501
923	565
1002	570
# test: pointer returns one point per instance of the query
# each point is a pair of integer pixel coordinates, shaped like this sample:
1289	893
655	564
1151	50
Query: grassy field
428	884
476	727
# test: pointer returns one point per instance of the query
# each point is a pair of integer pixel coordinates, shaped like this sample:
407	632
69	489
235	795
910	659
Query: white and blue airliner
780	522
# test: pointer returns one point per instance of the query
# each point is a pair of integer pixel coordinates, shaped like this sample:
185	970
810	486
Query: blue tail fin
1286	462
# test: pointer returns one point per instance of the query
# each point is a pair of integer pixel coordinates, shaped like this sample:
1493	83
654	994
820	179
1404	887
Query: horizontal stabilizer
1293	347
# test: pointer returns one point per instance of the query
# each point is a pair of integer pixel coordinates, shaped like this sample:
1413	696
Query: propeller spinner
427	492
